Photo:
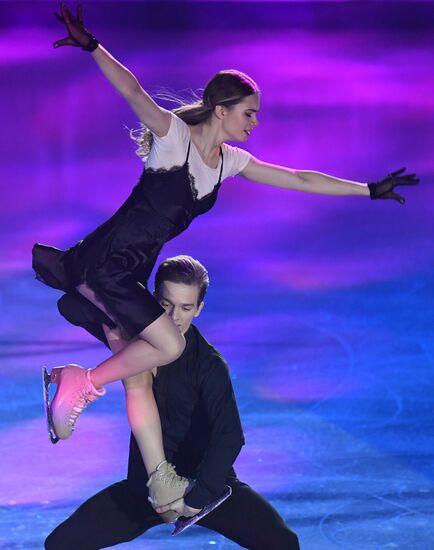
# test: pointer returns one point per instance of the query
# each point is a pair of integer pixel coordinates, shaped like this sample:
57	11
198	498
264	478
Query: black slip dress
117	258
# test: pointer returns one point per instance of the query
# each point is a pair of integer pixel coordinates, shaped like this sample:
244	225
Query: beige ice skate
166	486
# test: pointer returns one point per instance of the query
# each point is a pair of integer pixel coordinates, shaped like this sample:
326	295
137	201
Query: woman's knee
169	348
175	348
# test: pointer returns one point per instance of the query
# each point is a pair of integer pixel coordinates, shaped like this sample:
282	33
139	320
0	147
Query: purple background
322	305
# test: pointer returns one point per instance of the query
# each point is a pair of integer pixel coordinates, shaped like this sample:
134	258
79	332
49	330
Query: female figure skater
188	159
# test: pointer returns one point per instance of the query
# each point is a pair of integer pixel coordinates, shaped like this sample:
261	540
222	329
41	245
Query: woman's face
239	120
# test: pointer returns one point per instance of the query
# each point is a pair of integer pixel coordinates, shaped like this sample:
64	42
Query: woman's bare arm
316	182
301	180
152	115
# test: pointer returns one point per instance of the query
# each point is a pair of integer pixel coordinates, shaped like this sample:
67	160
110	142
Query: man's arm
217	396
226	437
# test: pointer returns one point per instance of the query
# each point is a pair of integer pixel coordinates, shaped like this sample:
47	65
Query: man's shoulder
205	351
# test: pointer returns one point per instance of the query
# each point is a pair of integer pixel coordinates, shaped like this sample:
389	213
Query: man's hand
384	189
78	35
180	507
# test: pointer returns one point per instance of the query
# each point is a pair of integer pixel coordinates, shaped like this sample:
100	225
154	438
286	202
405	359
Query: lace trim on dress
191	179
173	168
195	192
193	188
162	170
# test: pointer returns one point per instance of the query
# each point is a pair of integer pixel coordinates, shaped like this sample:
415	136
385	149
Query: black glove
77	33
384	189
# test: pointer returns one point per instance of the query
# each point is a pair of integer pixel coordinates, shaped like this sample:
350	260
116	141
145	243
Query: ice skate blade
46	381
184	523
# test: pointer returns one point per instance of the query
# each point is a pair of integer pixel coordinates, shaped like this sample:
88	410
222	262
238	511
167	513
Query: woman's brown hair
226	88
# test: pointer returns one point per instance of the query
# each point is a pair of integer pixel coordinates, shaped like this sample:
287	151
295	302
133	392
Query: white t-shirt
171	150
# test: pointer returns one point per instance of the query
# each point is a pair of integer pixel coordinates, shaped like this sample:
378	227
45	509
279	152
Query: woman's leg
144	420
142	410
158	344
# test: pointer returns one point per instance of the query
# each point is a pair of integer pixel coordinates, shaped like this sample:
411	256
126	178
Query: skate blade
184	523
46	381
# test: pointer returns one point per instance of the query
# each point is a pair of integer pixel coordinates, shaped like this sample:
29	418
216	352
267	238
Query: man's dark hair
183	269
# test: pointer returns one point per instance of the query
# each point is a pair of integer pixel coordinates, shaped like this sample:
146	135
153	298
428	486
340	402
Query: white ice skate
74	392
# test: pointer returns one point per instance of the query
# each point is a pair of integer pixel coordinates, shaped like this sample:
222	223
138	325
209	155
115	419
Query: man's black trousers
116	515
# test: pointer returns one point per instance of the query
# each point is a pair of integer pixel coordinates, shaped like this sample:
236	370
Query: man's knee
55	541
59	539
52	542
282	539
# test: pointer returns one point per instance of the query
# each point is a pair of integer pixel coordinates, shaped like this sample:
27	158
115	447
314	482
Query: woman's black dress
116	259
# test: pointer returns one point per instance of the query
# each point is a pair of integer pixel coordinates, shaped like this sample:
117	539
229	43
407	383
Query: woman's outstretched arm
316	182
301	180
152	115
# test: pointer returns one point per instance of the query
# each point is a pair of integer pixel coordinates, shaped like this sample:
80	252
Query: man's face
180	302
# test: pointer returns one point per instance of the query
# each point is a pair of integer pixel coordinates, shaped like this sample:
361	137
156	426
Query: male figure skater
202	436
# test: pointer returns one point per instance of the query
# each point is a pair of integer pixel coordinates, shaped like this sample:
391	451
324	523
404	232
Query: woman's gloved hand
78	35
384	189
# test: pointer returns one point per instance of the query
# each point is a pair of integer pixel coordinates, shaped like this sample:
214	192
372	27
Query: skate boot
74	392
166	486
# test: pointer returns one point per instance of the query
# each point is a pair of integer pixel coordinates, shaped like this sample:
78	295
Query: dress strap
188	151
221	168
